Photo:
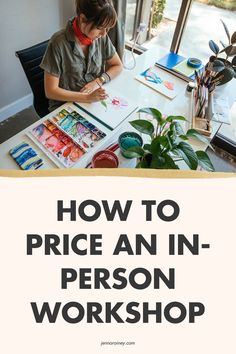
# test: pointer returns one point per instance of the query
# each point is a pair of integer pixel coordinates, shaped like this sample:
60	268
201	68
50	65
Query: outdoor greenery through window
157	12
163	21
204	24
224	4
160	16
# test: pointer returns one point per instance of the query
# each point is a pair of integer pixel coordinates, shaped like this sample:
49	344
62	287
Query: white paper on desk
112	111
161	81
221	110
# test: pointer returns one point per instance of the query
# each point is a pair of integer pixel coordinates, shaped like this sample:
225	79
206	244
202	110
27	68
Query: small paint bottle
191	85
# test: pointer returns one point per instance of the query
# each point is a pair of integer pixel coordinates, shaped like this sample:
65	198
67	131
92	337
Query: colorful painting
160	81
83	132
78	132
67	122
54	144
26	157
41	133
50	126
61	146
151	76
115	102
67	136
112	111
70	154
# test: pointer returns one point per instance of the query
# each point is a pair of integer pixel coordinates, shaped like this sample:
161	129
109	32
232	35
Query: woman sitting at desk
76	57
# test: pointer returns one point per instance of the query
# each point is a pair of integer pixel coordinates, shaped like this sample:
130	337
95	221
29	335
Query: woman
81	58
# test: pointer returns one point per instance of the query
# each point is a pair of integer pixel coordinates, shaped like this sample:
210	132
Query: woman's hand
97	95
54	92
90	87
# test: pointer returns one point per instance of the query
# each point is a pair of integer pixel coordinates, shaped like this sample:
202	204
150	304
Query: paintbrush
100	86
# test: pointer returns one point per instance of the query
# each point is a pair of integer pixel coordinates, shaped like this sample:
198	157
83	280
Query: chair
30	59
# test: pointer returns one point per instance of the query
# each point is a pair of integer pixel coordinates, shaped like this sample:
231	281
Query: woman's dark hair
99	12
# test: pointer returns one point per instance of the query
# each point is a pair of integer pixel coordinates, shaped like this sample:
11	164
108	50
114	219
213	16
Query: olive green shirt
65	59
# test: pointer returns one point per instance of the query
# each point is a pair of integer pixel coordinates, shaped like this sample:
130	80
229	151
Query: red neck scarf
82	38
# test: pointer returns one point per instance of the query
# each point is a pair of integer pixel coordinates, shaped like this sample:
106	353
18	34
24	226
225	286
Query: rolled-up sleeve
51	61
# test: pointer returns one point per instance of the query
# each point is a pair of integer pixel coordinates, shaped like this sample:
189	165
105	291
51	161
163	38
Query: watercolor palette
66	137
78	128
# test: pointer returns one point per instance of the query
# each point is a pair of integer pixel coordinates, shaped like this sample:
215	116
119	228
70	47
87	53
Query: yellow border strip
147	173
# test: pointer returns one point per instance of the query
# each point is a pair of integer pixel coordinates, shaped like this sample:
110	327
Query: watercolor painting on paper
26	157
112	111
160	81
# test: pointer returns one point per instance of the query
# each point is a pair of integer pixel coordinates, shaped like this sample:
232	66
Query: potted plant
167	143
223	69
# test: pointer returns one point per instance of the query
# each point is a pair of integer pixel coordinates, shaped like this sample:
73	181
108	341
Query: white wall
22	24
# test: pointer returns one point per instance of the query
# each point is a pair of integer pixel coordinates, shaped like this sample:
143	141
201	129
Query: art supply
191	90
184	68
66	137
201	101
112	147
160	81
26	157
170	60
97	82
180	66
110	112
191	85
105	159
102	102
127	140
194	63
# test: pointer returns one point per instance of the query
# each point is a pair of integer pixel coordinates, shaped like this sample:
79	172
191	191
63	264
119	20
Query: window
184	26
204	24
160	16
162	23
130	19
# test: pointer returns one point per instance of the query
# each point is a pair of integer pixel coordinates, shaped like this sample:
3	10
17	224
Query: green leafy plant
224	4
158	11
168	143
223	69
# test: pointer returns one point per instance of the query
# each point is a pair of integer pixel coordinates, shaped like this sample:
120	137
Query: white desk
128	87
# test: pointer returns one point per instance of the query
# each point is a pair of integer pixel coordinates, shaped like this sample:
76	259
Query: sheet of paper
112	111
184	68
160	81
221	112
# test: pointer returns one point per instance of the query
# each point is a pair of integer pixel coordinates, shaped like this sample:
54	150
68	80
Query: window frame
179	29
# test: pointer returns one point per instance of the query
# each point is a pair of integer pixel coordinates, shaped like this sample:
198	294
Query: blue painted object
127	140
194	62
